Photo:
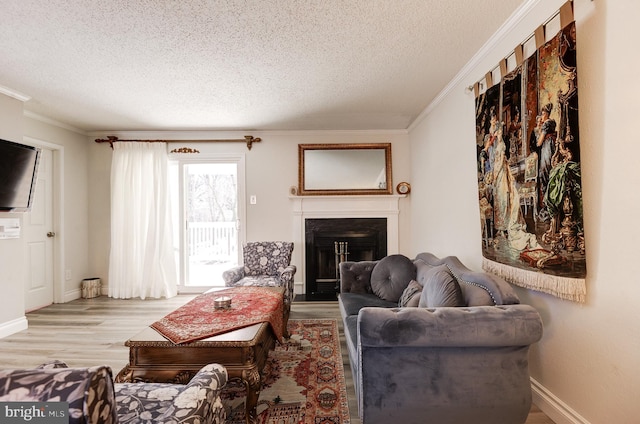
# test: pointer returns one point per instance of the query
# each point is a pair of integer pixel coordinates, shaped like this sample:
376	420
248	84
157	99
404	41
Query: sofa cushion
351	303
411	295
440	289
391	276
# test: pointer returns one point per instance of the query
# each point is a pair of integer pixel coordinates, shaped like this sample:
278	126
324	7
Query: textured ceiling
239	65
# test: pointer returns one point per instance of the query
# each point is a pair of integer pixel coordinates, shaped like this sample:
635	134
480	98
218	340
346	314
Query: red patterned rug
303	380
198	319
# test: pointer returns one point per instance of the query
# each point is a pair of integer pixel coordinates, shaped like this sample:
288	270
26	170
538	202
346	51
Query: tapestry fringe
573	289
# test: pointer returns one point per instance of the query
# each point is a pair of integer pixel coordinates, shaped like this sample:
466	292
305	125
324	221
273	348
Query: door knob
51	234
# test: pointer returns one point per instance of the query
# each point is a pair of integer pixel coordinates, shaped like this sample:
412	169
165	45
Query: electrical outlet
67	274
253	199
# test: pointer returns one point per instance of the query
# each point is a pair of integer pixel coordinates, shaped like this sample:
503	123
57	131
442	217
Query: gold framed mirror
344	169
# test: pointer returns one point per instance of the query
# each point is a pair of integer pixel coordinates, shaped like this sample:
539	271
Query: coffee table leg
252	382
285	321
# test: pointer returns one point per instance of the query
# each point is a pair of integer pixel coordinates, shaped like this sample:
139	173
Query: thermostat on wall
9	228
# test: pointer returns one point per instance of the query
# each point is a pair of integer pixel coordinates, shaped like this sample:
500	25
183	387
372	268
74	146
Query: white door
210	220
37	230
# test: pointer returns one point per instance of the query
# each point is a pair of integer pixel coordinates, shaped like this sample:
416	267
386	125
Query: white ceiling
239	64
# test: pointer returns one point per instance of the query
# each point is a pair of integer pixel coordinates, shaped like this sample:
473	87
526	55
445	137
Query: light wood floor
89	332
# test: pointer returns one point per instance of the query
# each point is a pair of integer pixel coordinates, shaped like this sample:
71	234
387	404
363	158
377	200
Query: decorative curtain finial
185	150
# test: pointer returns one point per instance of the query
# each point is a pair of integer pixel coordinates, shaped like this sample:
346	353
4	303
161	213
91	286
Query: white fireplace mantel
372	206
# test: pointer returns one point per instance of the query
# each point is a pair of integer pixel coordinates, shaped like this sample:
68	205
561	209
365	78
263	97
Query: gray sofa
431	341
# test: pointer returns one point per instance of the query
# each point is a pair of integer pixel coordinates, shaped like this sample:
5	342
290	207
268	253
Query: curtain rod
248	139
567	6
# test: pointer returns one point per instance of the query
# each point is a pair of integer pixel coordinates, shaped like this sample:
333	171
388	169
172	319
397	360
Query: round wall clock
403	188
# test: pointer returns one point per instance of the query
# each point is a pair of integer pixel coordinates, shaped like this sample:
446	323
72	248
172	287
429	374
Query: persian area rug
303	380
198	319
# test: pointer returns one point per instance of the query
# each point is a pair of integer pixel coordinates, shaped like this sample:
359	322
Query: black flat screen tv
18	173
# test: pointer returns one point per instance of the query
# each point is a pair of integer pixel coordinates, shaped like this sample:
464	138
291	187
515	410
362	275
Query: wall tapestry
529	183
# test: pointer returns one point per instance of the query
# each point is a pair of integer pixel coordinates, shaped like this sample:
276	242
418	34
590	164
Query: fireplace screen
330	241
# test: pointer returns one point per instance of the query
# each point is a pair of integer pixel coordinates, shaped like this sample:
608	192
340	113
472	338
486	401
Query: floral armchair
266	264
94	398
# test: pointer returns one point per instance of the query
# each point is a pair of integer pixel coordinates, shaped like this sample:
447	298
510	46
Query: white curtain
141	261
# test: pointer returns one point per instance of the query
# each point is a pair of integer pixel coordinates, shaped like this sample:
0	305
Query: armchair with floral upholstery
266	264
94	398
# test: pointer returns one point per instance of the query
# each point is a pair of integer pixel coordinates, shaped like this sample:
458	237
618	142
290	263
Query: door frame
58	215
239	160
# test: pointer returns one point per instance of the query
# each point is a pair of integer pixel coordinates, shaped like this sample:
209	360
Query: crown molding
209	134
509	25
15	94
50	121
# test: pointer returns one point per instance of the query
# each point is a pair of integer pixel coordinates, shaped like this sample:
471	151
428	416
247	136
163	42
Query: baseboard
14	326
553	407
72	295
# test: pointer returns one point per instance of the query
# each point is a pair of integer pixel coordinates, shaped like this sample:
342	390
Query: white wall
586	366
74	230
271	169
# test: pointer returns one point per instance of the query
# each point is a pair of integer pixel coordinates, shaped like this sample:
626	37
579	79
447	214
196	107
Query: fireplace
329	241
311	208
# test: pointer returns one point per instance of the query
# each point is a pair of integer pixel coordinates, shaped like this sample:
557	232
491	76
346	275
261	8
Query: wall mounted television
18	174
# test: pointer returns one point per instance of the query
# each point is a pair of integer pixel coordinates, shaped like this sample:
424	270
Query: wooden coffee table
243	352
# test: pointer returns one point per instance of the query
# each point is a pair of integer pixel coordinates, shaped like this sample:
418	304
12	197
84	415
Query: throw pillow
411	295
391	275
441	289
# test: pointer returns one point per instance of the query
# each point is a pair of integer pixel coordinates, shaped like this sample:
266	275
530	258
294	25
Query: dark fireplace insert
329	241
